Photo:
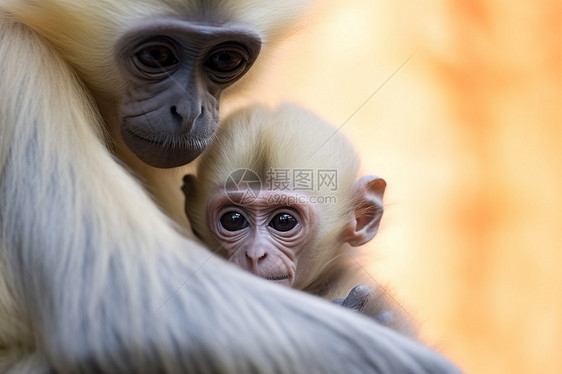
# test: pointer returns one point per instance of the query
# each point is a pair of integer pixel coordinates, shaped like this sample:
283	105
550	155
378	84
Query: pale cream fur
94	277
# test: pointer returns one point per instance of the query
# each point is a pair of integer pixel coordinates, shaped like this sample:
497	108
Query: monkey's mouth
172	141
147	139
276	277
164	152
284	279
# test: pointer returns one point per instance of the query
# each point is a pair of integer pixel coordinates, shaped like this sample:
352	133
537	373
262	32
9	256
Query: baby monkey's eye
233	221
283	222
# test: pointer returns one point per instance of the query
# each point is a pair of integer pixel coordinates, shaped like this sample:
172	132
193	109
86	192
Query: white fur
94	278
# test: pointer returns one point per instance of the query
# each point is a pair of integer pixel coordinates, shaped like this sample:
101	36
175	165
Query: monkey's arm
356	299
370	298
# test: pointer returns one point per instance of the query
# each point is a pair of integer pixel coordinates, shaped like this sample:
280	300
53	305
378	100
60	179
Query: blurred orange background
467	135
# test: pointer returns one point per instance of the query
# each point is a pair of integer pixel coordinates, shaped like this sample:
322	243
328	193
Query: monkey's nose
255	257
186	116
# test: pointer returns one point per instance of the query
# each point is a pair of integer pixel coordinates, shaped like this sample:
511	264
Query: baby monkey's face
266	234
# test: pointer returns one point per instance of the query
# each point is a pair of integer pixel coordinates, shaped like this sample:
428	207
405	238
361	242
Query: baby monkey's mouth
276	277
282	279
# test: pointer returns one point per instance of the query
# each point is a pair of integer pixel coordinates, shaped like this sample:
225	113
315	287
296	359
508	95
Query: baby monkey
277	193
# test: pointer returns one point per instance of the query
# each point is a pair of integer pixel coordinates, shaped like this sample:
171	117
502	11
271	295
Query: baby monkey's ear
188	188
189	191
367	197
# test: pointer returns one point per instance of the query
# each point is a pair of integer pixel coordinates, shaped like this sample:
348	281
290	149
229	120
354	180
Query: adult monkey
93	277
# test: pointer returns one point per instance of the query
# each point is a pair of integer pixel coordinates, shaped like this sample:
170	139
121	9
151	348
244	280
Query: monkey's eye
283	222
156	57
226	63
233	221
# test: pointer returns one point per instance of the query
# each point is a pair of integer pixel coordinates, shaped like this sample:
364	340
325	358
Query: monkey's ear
188	188
367	210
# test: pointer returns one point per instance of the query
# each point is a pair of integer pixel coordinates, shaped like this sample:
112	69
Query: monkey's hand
356	299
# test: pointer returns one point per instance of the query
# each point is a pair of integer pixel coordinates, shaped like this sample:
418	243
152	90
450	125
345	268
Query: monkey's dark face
174	72
265	238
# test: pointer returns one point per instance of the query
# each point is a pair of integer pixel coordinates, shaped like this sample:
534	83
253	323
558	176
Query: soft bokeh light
467	134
